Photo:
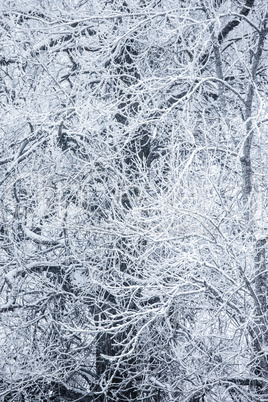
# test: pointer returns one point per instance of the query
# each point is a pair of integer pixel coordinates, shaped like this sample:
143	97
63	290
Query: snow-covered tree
133	220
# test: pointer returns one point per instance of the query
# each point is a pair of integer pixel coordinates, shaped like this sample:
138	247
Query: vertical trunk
259	331
261	323
116	375
114	380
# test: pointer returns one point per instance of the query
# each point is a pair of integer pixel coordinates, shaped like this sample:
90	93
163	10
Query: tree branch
232	24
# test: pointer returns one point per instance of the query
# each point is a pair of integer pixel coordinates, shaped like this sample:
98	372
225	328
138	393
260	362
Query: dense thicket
133	200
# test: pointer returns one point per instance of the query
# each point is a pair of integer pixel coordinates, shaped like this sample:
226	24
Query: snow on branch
42	239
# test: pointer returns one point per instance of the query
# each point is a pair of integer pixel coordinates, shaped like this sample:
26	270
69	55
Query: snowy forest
133	200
